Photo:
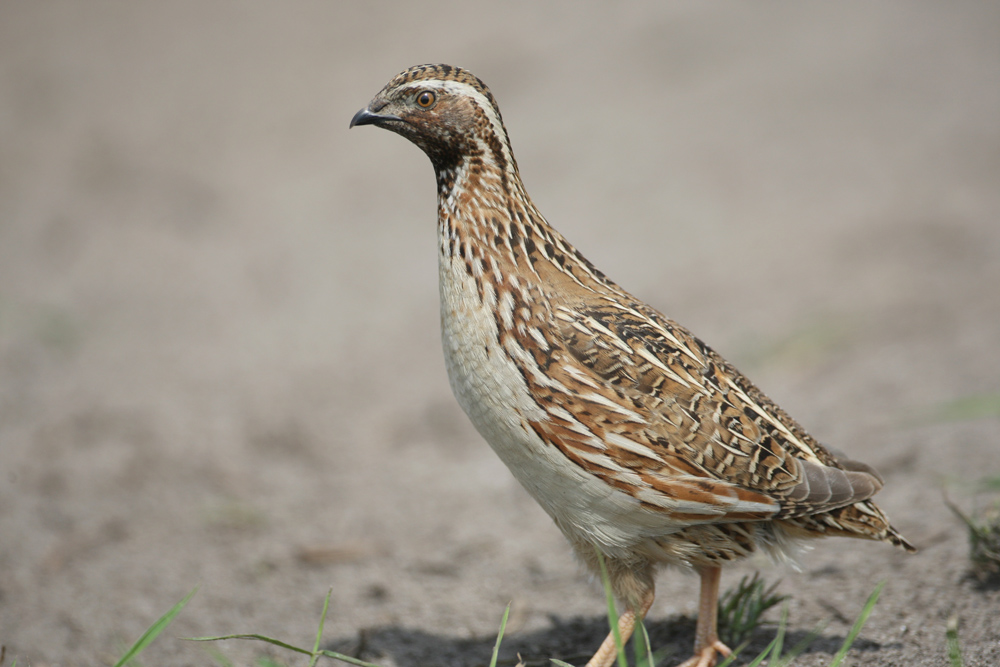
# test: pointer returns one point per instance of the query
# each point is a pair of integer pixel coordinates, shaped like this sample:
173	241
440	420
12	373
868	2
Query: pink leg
707	646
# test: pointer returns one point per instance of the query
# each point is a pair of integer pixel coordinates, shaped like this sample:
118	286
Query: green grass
983	526
741	608
503	627
858	624
314	655
746	603
154	631
642	652
954	649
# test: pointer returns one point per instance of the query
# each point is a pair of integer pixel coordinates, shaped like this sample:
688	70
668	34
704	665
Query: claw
707	656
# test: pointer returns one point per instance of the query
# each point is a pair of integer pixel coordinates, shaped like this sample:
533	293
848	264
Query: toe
707	656
721	648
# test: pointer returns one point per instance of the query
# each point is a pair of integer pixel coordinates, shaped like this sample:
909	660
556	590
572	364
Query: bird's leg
606	655
706	637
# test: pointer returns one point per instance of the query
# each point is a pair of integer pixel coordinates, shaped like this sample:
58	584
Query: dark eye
425	99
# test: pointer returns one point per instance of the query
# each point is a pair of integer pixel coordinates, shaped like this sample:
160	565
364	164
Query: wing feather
721	449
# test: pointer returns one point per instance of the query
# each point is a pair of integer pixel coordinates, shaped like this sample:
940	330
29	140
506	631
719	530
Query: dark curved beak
366	117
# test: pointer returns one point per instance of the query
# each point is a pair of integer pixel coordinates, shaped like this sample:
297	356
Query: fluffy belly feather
491	390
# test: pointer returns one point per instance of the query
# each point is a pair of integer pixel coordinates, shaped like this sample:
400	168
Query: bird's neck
487	221
482	204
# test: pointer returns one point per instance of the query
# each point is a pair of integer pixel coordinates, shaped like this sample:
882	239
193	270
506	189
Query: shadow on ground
571	640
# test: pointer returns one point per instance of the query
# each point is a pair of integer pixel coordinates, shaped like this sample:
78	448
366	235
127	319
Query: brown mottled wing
702	413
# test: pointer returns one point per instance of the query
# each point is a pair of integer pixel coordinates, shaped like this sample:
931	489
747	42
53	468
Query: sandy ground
219	356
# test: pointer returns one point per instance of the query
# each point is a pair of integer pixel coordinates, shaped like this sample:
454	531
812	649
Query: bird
643	444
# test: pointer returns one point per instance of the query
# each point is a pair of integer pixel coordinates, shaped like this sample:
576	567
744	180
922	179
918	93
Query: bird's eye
425	99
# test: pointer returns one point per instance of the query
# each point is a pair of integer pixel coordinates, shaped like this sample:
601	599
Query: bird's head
446	111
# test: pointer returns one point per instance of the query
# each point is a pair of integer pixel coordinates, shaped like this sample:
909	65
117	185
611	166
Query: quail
641	442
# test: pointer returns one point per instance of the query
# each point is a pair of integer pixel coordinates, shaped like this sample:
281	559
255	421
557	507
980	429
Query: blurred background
219	354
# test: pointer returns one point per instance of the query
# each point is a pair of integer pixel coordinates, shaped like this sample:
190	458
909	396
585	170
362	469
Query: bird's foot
706	656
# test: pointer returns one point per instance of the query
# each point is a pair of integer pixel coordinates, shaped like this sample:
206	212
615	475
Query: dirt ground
219	355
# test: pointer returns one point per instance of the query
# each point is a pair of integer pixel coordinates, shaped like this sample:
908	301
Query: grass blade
642	652
348	659
154	630
612	611
954	649
742	607
731	658
799	648
255	637
503	626
766	652
319	632
858	624
315	654
779	638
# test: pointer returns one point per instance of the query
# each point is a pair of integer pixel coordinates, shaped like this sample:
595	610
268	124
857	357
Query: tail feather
862	520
